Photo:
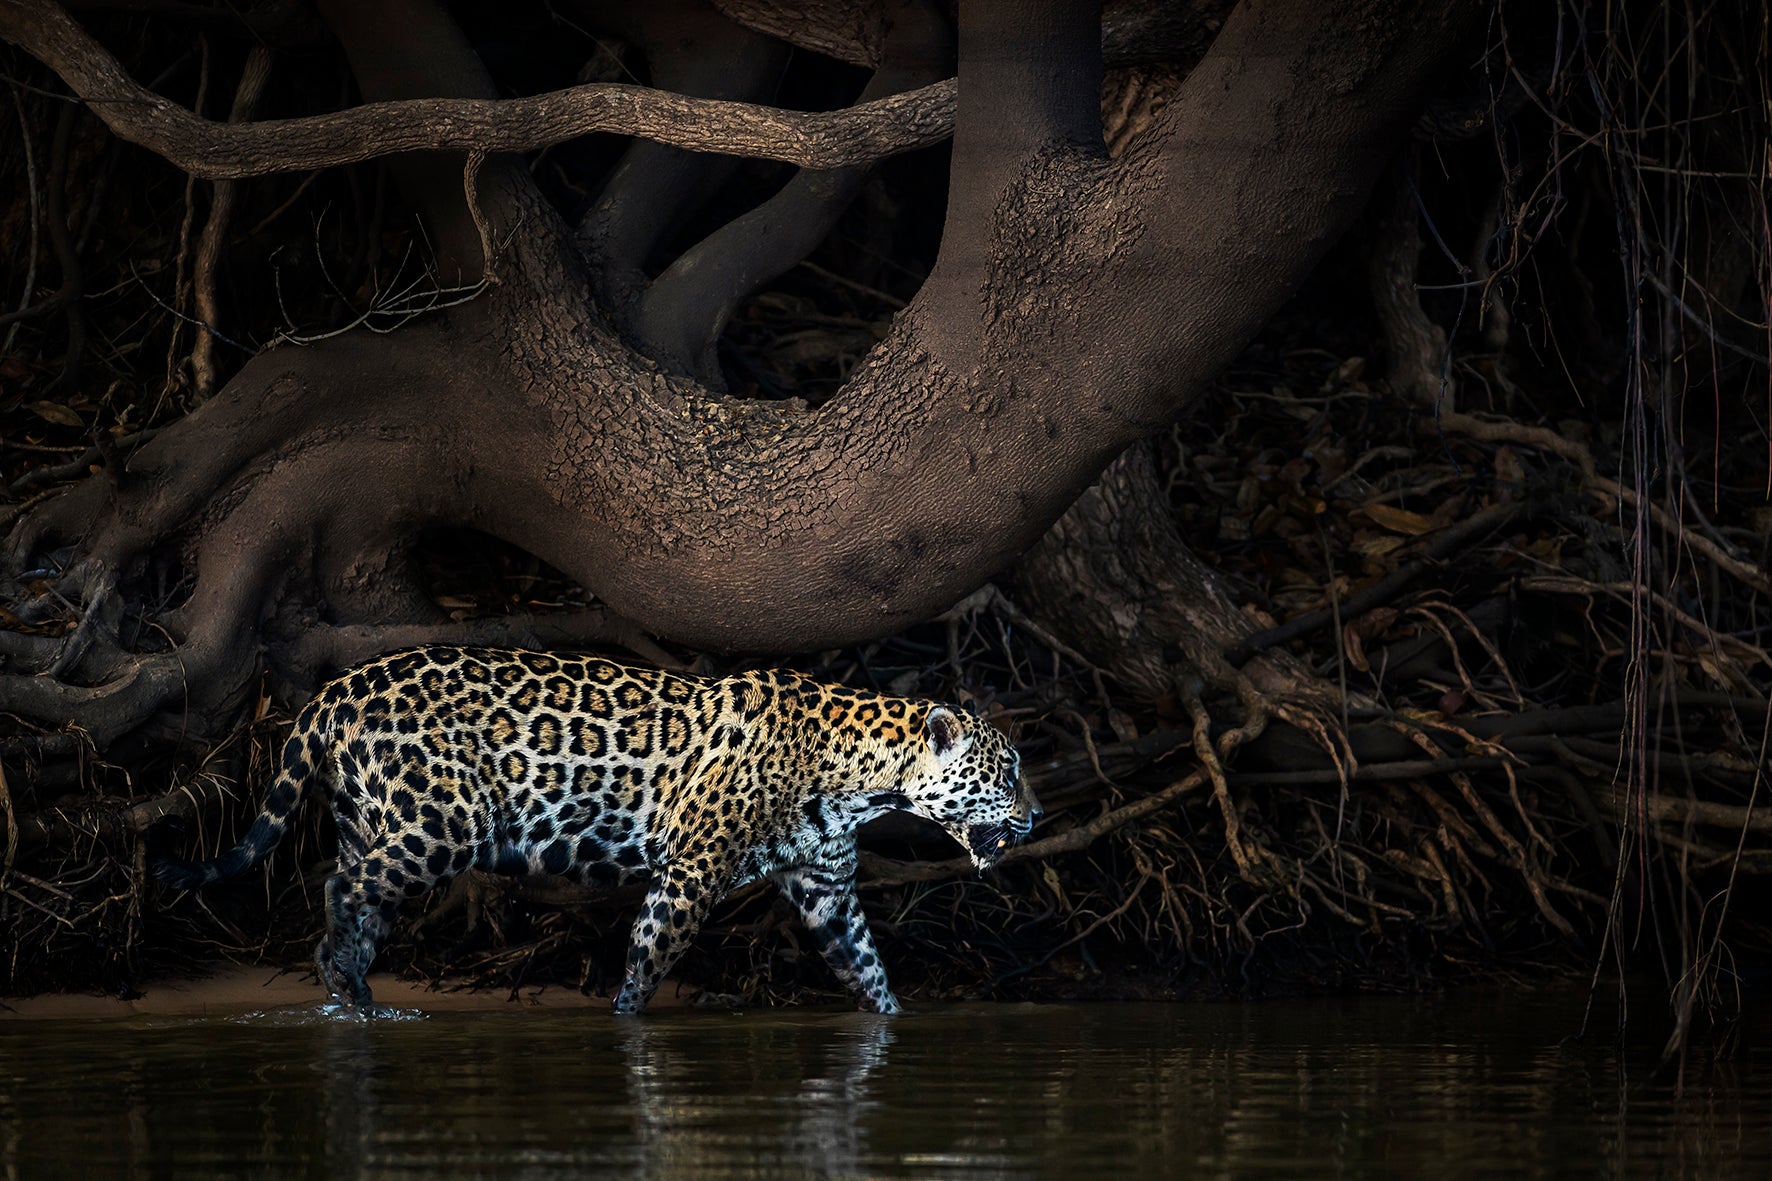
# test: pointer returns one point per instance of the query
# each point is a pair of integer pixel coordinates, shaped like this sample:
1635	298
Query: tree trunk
1077	303
1114	579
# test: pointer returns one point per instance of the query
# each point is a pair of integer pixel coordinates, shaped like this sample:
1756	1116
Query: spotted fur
435	761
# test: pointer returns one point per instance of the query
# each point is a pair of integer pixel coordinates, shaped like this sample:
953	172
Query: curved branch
1079	303
220	151
215	229
682	314
878	872
116	823
692	51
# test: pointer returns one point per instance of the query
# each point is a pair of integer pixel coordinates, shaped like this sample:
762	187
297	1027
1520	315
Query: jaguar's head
967	778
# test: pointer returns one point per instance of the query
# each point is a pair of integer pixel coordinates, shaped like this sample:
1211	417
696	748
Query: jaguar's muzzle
988	842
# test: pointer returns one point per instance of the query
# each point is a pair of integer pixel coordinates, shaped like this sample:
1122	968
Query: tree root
1718	552
116	824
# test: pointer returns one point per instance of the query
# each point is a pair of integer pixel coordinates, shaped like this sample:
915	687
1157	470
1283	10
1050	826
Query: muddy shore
233	988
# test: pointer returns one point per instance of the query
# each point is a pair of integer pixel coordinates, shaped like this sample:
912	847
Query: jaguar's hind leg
327	970
325	956
360	912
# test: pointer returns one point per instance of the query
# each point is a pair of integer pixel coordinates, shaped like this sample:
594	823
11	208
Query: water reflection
1450	1087
779	1094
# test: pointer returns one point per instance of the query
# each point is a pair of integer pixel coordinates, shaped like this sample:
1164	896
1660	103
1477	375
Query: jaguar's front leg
825	897
679	900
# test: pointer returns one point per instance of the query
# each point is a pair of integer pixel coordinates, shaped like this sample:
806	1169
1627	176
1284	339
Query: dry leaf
1355	649
1375	621
55	412
1376	545
1398	520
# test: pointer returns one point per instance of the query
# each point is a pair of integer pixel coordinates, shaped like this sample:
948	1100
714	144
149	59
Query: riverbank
233	988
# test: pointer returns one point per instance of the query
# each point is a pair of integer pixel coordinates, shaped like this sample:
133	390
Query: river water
1405	1087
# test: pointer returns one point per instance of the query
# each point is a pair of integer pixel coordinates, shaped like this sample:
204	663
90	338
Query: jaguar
438	760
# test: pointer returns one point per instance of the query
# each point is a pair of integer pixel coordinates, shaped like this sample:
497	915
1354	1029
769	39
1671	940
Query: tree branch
215	230
683	313
1079	303
692	51
115	823
219	151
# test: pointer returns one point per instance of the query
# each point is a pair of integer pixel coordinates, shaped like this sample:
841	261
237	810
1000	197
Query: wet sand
235	989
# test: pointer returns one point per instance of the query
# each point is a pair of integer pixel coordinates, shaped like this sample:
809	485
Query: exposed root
1254	864
98	622
145	688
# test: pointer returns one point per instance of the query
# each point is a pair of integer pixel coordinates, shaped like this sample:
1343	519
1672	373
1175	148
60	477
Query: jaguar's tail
282	801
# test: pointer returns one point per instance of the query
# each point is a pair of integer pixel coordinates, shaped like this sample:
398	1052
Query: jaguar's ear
946	733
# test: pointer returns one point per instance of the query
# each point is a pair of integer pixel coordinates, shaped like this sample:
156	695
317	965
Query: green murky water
1441	1087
